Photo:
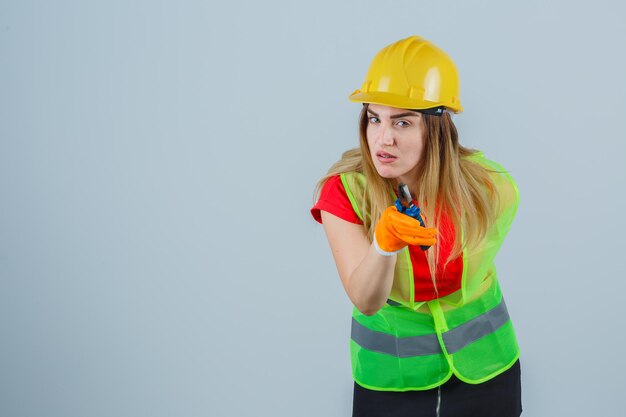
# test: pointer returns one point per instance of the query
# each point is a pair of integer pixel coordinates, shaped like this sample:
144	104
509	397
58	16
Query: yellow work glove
396	230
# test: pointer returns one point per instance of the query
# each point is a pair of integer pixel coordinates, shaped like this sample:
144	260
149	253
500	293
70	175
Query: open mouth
385	157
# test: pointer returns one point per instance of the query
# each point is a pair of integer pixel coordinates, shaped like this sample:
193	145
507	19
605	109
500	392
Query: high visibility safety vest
413	345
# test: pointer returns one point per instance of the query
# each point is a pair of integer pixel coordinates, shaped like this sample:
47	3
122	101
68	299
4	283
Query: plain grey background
157	164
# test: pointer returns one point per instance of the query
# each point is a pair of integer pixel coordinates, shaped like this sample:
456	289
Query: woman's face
396	141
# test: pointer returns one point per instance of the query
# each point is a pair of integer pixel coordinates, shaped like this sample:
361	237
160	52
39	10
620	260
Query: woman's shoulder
336	198
494	168
352	180
500	177
480	158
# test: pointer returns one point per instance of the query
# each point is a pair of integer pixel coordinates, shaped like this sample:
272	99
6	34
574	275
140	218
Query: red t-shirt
334	200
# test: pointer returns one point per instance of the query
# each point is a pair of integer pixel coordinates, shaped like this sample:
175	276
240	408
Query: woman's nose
386	135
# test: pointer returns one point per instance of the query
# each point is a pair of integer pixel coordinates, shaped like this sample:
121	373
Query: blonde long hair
447	181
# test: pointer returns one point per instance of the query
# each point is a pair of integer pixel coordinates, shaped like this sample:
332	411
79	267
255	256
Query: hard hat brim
400	102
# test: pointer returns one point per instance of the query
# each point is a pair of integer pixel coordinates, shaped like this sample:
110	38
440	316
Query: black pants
498	397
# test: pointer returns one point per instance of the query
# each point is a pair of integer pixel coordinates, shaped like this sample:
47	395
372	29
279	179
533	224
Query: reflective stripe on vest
454	339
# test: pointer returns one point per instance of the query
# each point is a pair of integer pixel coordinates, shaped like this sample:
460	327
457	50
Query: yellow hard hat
411	73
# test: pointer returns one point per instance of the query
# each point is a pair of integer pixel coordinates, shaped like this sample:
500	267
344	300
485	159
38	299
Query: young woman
431	335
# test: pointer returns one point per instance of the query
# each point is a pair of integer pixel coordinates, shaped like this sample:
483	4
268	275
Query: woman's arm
366	275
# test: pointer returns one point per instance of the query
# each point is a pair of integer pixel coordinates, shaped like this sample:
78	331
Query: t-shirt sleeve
334	200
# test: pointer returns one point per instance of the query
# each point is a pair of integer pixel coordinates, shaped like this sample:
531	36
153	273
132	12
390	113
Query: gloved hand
396	230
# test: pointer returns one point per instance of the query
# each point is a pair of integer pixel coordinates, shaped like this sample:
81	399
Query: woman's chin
386	172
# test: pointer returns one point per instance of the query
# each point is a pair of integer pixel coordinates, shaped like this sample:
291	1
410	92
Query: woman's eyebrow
396	116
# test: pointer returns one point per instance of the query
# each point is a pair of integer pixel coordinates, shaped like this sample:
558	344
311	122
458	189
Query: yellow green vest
409	345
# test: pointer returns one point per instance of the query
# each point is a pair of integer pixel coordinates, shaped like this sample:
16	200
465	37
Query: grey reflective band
454	339
468	332
393	303
402	347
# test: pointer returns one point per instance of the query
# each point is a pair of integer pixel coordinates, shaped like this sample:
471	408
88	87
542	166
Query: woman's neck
411	183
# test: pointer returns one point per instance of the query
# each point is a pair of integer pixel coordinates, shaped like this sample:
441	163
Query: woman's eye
373	119
403	123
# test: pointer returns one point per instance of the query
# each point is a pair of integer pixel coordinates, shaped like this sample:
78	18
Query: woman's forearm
370	283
